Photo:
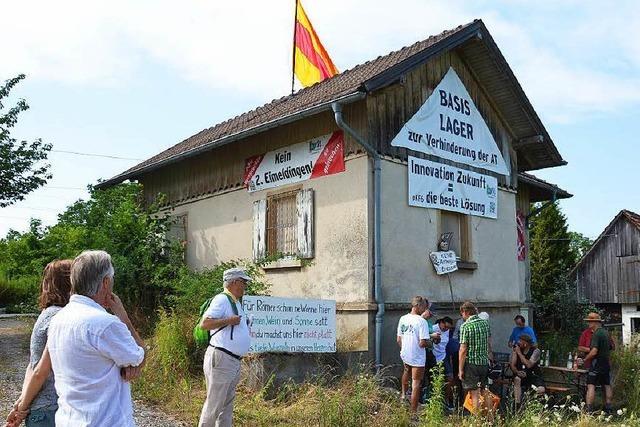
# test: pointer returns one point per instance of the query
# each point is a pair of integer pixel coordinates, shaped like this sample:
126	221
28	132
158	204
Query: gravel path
14	353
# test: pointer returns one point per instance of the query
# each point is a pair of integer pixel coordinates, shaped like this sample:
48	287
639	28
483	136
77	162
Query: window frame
270	230
464	256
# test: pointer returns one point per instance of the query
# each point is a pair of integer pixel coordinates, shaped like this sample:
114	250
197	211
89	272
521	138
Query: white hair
88	271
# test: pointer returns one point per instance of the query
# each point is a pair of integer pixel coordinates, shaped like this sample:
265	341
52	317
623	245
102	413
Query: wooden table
571	376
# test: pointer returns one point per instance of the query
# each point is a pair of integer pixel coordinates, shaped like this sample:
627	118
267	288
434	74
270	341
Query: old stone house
356	237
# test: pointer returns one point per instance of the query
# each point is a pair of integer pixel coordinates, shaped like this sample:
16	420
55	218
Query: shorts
475	376
599	373
41	418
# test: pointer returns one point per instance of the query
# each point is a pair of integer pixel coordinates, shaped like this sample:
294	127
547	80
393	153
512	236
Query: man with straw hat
600	370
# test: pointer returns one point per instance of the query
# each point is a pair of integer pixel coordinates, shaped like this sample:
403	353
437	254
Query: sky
132	78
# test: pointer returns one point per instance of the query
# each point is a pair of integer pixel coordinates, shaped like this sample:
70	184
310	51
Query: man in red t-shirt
584	345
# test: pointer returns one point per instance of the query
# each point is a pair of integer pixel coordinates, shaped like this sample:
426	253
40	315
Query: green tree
579	245
550	252
21	170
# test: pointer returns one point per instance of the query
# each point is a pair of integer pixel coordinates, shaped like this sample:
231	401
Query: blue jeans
41	418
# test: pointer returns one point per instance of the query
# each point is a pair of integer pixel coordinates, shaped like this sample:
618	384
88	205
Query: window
458	224
635	325
283	224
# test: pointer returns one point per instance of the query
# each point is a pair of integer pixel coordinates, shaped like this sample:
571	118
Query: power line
77	153
35	208
64	188
15	217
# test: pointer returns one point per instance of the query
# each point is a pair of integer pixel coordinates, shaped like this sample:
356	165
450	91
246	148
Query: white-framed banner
439	186
314	158
449	125
444	261
291	325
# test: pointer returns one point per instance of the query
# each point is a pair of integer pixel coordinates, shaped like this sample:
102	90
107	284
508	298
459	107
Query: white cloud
578	64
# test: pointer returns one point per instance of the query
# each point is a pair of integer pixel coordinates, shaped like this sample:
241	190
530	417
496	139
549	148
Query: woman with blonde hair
38	401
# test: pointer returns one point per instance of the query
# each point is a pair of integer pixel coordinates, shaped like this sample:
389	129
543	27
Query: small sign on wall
288	325
444	261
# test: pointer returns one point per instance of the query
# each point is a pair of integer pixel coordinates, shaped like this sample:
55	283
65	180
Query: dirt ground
14	355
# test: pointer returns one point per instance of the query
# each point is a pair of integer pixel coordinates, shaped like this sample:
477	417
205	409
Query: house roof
541	190
630	216
472	40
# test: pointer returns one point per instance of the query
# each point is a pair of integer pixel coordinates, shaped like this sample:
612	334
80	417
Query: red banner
314	158
522	236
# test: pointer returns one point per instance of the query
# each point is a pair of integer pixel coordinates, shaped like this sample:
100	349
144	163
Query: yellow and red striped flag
312	63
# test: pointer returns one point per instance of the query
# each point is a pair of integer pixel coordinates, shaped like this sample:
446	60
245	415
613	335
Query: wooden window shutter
304	207
259	229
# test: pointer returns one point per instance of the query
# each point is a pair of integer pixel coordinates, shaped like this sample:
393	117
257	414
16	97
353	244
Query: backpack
203	336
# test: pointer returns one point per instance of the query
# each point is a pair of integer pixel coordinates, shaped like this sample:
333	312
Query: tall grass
626	364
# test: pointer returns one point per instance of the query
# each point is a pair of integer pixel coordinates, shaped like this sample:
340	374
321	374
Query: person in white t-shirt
229	342
413	337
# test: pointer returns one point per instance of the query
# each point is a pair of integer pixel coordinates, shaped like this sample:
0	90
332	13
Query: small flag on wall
311	62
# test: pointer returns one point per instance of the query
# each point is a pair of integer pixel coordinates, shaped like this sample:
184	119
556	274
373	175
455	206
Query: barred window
282	224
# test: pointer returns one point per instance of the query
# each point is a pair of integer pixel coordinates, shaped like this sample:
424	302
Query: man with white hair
229	341
94	354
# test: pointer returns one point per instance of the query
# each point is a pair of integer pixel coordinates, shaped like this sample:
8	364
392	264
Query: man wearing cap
600	370
228	343
525	364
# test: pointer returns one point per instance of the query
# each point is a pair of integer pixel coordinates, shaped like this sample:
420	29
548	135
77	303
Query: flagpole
293	55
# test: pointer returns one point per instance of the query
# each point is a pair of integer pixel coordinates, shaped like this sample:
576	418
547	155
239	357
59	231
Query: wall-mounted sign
288	325
449	125
440	186
314	158
444	262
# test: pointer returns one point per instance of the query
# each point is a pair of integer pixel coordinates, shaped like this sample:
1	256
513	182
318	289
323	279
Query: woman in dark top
38	407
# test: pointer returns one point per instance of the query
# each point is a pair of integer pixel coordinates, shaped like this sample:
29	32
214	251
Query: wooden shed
609	273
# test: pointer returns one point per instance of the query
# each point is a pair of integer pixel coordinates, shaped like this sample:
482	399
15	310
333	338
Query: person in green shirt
600	370
475	352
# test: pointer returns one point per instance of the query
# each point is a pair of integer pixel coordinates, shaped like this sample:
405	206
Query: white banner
288	325
440	186
314	158
449	125
444	262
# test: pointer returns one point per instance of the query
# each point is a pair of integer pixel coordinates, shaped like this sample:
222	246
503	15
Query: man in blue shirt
519	330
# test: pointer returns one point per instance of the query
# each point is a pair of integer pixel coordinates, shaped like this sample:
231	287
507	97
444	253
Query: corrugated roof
370	76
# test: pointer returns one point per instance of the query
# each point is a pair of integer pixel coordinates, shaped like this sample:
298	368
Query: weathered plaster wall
410	233
219	228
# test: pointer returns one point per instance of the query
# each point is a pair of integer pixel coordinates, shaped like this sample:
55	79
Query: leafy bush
20	295
114	220
189	289
626	364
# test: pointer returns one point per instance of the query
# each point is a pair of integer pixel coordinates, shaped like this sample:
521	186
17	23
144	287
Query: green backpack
202	336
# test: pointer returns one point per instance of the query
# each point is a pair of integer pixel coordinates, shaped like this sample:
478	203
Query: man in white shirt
229	342
93	353
412	337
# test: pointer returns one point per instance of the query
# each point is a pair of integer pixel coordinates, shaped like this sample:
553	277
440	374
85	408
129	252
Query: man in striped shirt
475	352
